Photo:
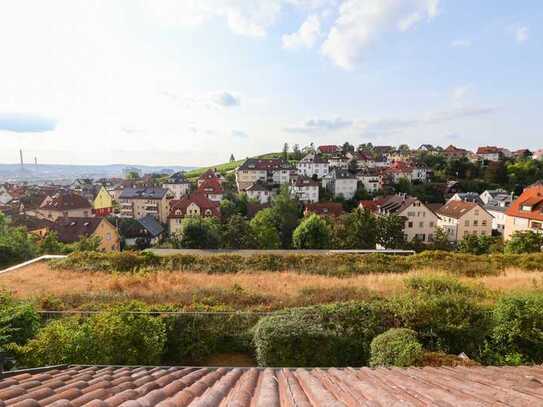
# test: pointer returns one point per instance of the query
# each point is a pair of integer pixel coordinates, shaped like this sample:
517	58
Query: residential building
525	212
150	231
34	225
460	219
338	161
178	185
538	154
371	205
497	206
260	192
332	209
271	171
490	194
305	189
467	197
5	196
71	230
196	204
341	183
84	187
420	220
140	202
103	203
522	153
399	170
455	152
210	174
489	153
212	188
313	165
329	149
64	204
371	179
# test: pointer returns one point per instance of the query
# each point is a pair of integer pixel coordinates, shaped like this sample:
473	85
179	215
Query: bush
524	242
113	337
452	323
341	332
440	285
396	347
19	321
517	336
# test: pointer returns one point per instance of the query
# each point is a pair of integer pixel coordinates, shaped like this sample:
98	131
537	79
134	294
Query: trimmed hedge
327	335
324	264
396	347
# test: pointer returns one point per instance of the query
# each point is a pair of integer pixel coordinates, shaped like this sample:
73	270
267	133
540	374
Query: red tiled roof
266	164
209	174
108	386
488	150
63	201
372	204
456	209
329	149
199	199
531	196
325	208
301	182
211	186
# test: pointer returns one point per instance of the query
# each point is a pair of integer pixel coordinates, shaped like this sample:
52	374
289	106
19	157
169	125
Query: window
483	222
431	225
108	236
466	223
475	223
421	224
410	214
409	224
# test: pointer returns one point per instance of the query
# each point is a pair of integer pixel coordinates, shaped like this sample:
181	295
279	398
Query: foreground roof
178	386
529	204
70	230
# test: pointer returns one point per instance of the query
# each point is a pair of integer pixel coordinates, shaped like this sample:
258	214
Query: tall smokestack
21	155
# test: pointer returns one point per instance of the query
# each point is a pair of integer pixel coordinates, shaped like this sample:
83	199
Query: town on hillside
434	193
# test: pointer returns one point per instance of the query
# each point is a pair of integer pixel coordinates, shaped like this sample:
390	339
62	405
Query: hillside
226	167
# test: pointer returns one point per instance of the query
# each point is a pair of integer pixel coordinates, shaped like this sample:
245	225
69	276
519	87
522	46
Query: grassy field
257	291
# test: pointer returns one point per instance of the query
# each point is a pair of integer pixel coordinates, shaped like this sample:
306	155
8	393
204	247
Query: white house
420	221
305	189
341	183
5	196
371	179
261	192
313	164
178	185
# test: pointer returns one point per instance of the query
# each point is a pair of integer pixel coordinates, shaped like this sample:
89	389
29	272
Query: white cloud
460	92
521	34
244	17
361	22
461	44
306	36
320	125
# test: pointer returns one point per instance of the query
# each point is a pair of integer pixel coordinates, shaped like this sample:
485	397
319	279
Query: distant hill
226	167
65	172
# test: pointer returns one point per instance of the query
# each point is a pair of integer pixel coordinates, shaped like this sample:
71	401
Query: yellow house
103	203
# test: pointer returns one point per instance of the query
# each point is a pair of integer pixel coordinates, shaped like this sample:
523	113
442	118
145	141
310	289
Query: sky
189	82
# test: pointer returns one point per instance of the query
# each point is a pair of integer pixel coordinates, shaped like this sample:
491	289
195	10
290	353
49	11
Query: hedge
326	335
338	264
445	320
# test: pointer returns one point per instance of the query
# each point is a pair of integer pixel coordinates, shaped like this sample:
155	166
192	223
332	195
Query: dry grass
262	291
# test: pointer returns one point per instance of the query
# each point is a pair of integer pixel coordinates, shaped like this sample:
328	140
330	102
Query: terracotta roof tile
174	386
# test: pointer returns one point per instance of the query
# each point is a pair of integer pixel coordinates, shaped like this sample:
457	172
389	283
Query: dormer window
526	208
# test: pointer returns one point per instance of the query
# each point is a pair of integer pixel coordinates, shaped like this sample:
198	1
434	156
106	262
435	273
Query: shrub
524	242
114	337
440	285
341	333
396	347
451	323
517	336
19	321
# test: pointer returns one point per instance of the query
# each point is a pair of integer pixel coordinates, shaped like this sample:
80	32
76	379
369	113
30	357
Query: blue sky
189	82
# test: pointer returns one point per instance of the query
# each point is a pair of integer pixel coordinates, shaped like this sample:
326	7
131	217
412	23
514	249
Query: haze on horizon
167	82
